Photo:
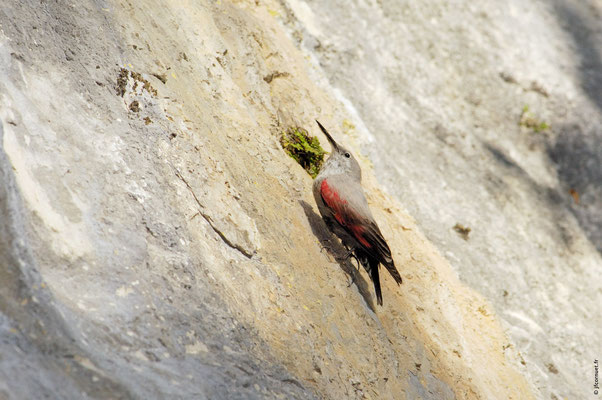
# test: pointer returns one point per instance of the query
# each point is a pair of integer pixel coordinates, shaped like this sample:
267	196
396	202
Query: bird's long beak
334	144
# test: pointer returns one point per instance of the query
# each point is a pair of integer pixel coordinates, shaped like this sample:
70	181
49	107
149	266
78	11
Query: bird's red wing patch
358	232
333	201
342	213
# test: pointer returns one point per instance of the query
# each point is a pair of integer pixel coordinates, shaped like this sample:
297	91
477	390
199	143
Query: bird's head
341	161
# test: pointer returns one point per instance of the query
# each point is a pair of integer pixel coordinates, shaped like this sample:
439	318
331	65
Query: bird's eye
347	155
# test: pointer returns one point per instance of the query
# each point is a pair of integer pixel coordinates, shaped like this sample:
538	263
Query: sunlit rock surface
156	242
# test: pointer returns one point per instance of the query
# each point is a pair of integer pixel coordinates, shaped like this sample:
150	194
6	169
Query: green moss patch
304	149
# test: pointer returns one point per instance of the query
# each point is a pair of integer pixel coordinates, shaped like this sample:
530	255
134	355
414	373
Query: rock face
156	242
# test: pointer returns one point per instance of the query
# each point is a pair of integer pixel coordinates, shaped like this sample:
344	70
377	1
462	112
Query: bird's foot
327	247
348	254
352	280
340	258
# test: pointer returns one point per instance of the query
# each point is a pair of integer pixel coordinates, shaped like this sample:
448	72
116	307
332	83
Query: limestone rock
156	242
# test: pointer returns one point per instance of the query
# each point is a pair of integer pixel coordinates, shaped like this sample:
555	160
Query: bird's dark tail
370	264
376	279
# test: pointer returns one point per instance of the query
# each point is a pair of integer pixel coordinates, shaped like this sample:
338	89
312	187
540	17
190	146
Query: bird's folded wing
373	235
350	210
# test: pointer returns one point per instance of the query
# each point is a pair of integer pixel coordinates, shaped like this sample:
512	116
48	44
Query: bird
338	192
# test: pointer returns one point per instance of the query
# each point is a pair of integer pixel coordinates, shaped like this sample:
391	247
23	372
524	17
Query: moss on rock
304	149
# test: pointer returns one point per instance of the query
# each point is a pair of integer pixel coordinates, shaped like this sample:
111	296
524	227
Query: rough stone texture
437	93
156	242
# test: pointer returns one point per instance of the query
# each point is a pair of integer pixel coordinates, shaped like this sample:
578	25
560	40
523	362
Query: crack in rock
209	220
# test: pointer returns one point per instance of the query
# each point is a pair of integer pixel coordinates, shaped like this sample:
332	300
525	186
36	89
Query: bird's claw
346	257
352	281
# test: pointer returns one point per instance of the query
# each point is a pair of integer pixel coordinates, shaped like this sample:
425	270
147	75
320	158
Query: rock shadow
581	25
336	249
576	159
577	155
577	149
